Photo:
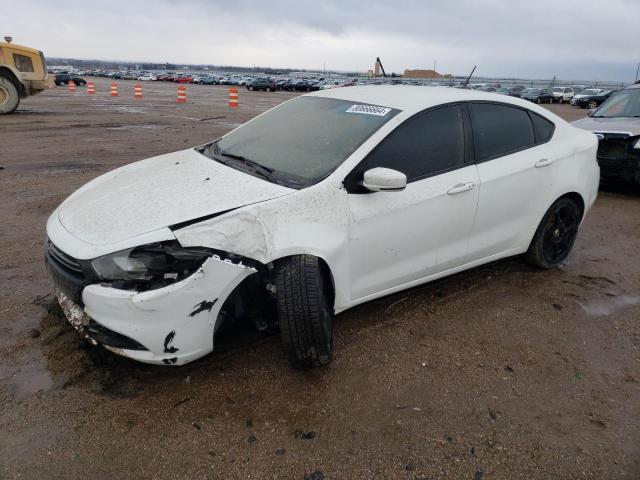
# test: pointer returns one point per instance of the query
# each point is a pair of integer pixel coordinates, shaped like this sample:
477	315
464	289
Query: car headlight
637	144
163	263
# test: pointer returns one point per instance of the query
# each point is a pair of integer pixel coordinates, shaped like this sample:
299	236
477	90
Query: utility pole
637	71
434	65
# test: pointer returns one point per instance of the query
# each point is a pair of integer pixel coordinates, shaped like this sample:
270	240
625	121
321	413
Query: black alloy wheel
556	234
559	233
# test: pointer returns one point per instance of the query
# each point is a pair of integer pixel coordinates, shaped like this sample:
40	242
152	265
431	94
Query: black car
513	91
65	78
538	95
616	123
516	90
304	86
593	101
265	84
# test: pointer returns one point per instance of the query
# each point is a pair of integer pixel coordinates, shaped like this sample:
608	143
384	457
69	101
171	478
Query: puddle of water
28	378
129	127
607	306
131	109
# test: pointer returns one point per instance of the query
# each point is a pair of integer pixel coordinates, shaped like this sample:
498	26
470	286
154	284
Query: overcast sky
573	39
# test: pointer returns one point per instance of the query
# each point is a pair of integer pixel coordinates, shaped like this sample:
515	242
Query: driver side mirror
381	179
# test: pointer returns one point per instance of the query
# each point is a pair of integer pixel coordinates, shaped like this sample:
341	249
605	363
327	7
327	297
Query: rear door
516	169
399	237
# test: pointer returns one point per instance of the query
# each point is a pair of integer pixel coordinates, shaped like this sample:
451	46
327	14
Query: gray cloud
577	39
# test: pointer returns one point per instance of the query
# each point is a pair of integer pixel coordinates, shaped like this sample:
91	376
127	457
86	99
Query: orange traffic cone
114	89
137	92
72	86
233	97
91	88
182	94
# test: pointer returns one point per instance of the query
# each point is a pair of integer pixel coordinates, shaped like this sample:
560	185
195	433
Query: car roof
411	98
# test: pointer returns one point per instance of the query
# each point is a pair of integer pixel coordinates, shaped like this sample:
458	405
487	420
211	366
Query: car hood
628	125
156	193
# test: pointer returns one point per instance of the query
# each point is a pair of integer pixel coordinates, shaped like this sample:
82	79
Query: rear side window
499	130
542	128
425	144
23	63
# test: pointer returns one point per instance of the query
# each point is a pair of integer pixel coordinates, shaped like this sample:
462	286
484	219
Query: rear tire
9	96
304	311
555	235
593	104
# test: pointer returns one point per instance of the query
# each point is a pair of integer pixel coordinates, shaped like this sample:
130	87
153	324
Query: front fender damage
175	324
243	232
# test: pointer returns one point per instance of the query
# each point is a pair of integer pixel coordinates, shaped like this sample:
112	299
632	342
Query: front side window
301	141
499	130
23	63
425	144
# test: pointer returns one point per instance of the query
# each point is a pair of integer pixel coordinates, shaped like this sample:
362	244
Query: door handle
543	162
460	187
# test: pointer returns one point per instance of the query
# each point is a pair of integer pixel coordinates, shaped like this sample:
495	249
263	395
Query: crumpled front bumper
172	325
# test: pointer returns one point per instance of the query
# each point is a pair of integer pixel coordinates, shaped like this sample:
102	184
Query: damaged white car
327	201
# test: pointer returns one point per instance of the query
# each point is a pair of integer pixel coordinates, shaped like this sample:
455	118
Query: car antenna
470	75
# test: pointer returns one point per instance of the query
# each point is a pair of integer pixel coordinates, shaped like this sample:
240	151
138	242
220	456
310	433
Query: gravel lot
501	372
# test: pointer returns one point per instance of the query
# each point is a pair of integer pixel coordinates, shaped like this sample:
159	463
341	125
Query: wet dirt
501	372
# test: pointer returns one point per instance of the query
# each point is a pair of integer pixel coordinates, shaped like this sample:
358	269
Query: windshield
532	91
589	91
625	103
301	141
558	89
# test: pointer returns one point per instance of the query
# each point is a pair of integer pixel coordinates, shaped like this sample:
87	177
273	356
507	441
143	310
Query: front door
399	237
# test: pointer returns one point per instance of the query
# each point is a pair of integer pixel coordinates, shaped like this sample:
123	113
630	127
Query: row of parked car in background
578	95
584	96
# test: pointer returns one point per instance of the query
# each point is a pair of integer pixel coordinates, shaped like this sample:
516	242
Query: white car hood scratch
159	192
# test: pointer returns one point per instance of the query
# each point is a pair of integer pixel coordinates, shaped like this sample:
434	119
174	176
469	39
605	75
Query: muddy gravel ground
501	372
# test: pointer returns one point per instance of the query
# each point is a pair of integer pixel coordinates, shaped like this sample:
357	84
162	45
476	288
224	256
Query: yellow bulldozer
23	72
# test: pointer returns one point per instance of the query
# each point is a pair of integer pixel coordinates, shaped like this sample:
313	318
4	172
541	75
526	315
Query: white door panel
511	191
397	237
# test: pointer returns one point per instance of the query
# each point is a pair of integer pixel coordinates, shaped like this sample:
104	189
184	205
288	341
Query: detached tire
304	311
9	96
555	235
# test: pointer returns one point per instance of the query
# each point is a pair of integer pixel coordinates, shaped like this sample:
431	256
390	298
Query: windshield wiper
254	166
214	152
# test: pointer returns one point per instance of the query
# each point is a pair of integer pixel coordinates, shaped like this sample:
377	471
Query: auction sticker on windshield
369	110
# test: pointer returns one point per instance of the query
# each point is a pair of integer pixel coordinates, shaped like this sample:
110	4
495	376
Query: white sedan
327	201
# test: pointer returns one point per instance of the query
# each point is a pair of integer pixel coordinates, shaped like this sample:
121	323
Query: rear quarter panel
574	170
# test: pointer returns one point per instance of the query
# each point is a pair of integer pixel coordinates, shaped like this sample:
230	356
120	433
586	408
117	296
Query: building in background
425	74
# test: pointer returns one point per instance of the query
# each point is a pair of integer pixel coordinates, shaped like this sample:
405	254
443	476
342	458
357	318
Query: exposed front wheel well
254	300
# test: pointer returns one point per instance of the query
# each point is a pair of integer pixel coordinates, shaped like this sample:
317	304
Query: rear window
23	63
499	130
